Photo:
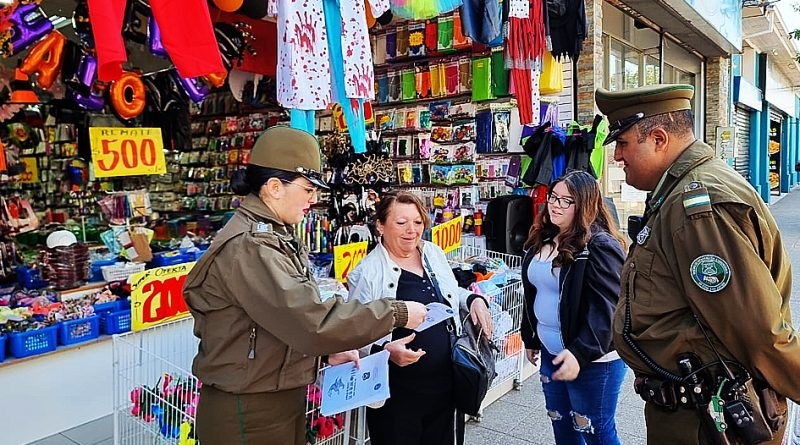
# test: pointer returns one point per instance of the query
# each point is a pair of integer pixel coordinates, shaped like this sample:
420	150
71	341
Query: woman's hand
344	357
400	354
533	356
569	367
482	317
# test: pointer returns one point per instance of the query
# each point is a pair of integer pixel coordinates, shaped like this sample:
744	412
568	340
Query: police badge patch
710	273
642	236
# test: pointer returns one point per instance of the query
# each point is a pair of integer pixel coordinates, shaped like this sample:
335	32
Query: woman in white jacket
403	266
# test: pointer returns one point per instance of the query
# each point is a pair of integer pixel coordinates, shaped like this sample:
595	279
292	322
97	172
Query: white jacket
376	276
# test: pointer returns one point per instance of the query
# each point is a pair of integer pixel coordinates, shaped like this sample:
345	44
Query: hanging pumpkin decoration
127	95
228	5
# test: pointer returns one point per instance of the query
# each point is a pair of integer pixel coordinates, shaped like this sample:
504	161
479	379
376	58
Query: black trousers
408	418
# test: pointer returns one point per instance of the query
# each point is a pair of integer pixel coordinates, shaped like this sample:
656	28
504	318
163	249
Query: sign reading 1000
127	151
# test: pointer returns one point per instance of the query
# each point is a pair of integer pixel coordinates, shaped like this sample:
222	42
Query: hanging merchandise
546	149
552	78
423	9
482	20
525	44
567	26
186	33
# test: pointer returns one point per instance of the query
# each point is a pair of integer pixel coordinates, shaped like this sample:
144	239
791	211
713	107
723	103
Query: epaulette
696	199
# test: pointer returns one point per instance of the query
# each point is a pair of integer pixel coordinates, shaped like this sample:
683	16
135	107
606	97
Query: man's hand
416	314
400	354
569	367
481	316
533	356
344	357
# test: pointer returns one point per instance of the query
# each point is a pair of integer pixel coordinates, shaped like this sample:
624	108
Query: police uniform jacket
589	287
258	313
710	247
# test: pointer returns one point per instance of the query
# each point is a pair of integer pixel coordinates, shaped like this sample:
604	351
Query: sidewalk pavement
519	417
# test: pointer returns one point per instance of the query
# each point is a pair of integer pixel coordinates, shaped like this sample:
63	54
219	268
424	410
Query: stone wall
717	112
591	69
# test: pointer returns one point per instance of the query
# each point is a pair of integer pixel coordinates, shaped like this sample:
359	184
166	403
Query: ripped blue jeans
582	411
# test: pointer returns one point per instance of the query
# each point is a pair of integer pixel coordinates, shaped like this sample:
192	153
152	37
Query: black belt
670	395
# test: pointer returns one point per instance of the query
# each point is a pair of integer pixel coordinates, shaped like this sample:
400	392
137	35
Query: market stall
119	137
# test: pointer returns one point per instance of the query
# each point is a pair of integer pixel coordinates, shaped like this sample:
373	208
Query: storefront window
652	70
623	66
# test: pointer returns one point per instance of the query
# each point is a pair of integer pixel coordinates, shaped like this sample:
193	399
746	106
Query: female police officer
257	310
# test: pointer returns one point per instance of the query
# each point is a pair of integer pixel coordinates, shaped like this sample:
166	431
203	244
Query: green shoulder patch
710	273
696	199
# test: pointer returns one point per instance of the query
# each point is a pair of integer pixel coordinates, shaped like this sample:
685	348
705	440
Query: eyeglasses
561	202
310	190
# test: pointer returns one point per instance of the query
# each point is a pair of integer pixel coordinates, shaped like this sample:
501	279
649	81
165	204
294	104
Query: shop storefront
637	53
114	180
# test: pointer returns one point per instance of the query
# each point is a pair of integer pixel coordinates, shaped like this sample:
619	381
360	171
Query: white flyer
344	387
437	313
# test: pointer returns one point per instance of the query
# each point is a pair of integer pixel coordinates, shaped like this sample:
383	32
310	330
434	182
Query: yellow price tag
345	258
127	151
31	173
448	235
157	295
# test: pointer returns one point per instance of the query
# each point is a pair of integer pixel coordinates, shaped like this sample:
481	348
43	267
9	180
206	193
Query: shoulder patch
696	199
710	273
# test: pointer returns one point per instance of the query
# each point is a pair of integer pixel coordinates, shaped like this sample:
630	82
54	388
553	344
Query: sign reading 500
127	151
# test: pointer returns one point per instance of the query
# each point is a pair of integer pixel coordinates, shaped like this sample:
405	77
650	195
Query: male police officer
704	301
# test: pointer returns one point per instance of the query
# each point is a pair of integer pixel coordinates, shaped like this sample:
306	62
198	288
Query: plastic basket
39	341
121	271
2	347
103	308
115	322
80	330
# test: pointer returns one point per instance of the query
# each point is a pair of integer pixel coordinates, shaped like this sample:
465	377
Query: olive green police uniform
709	248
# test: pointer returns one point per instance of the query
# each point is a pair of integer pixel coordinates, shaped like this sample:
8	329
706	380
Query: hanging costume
567	21
525	44
324	44
186	32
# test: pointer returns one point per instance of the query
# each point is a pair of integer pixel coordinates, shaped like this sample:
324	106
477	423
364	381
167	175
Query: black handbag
473	359
473	367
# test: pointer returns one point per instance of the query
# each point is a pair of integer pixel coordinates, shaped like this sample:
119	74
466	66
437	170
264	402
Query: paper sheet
437	312
344	387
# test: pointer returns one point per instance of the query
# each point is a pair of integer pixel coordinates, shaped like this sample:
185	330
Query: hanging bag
552	79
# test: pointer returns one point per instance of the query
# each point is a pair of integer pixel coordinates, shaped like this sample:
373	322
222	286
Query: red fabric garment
265	42
186	33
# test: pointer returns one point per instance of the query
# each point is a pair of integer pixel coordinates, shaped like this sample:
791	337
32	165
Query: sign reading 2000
127	151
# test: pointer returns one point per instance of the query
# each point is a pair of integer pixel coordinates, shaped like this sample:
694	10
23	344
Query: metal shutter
742	160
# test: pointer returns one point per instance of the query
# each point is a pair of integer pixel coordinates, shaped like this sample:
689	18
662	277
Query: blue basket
39	341
103	308
115	322
2	347
76	331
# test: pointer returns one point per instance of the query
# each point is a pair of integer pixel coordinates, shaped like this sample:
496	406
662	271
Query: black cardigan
589	292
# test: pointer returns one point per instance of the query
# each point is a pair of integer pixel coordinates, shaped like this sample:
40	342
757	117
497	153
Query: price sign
127	151
448	235
157	296
31	173
345	258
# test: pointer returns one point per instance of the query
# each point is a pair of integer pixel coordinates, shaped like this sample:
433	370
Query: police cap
289	149
627	107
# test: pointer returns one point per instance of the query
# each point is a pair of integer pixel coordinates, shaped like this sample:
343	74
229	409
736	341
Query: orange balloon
370	18
45	58
229	5
127	95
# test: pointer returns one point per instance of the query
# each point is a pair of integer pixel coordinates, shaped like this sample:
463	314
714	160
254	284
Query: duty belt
670	395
